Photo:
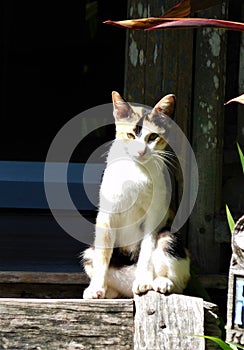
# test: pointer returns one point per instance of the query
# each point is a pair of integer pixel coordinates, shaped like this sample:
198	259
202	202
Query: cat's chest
128	188
124	176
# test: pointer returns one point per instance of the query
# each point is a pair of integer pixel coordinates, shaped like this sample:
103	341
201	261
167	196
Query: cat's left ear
166	106
122	109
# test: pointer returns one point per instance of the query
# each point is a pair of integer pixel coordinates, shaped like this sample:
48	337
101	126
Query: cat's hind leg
171	264
119	279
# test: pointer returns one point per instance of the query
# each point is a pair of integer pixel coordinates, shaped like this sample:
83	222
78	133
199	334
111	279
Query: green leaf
241	156
230	219
218	341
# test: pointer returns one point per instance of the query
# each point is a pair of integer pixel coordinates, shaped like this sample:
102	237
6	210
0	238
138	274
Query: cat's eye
152	137
130	135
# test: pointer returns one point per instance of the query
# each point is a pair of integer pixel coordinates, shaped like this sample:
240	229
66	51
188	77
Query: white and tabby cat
133	252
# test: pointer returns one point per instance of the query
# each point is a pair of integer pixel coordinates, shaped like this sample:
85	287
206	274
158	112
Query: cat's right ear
122	109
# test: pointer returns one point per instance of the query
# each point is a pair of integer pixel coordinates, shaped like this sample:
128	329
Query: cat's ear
166	106
122	109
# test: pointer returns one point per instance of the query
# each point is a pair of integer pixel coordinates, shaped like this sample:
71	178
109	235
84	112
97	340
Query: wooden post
207	140
168	322
235	307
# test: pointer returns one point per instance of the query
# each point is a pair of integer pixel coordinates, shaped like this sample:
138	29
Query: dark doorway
57	60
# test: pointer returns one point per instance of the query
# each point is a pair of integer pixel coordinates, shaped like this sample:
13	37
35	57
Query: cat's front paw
163	285
93	292
141	286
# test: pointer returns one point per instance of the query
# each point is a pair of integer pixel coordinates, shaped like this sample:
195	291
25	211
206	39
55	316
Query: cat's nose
141	153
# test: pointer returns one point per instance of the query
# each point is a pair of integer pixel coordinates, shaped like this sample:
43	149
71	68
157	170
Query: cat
133	250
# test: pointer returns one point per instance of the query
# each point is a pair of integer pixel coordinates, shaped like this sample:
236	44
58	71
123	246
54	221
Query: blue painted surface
22	184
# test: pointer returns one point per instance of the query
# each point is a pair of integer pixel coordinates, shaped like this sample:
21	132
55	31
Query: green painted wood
136	49
207	139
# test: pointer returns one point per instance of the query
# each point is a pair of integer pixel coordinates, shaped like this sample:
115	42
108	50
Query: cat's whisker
168	157
164	162
157	163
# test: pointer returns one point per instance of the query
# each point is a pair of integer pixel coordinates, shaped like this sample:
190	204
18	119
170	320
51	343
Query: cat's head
143	130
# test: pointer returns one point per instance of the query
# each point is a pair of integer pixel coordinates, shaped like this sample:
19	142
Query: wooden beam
31	277
218	281
66	324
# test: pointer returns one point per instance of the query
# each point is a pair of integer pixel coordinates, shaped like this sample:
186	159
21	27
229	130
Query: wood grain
168	322
48	324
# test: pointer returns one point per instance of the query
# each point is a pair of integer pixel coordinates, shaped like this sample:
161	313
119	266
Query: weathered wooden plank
155	322
209	90
43	277
168	322
48	324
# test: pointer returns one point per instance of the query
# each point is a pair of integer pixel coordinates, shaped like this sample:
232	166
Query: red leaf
198	22
185	7
239	99
182	9
152	23
141	23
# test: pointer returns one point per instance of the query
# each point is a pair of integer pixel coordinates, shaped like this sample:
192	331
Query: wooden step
152	321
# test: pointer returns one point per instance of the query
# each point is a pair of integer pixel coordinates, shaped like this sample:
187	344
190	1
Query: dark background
57	59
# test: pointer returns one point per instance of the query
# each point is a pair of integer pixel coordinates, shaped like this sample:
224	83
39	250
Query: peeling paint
206	128
209	108
148	11
141	57
208	131
133	52
210	64
210	125
223	9
216	82
140	9
214	42
203	104
145	13
155	54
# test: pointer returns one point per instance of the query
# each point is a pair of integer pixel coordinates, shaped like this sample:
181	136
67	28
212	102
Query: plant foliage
176	18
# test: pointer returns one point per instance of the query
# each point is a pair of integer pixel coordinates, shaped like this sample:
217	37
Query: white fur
133	204
170	275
